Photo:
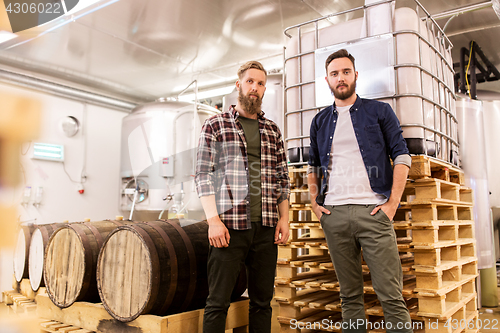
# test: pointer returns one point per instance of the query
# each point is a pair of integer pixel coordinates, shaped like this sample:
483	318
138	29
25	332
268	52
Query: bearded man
355	193
242	180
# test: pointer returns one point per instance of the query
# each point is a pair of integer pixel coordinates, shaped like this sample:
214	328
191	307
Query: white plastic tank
377	18
473	157
491	113
158	154
424	98
300	78
491	110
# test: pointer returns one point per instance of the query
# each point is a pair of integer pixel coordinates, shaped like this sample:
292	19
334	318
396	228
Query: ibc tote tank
158	155
419	89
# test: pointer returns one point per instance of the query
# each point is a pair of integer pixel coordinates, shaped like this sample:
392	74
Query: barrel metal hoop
118	224
155	269
28	231
45	238
173	267
96	234
192	265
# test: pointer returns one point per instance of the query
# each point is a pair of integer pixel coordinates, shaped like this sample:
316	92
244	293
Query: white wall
61	200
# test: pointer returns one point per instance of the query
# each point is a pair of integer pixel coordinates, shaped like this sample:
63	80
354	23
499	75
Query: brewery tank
158	155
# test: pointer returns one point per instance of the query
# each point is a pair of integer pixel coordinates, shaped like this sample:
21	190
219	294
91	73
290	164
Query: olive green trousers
348	229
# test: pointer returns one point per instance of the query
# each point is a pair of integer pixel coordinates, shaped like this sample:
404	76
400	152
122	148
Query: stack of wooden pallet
440	208
306	286
435	234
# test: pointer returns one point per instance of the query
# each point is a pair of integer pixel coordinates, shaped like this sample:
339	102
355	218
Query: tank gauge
142	193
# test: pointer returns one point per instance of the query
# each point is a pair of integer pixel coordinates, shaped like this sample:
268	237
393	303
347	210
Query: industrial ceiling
142	50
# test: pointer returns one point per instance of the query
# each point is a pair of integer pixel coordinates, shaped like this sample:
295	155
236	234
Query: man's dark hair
342	53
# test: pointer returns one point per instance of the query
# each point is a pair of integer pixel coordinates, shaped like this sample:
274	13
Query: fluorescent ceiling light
45	151
208	93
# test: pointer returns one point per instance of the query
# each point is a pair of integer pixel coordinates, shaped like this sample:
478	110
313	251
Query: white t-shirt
348	181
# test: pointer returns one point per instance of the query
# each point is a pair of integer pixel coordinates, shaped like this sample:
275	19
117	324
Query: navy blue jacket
379	137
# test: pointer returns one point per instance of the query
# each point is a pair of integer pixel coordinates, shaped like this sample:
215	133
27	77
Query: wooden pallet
445	306
436	189
430	232
464	320
298	177
19	304
443	253
439	211
435	232
294	209
94	318
429	167
438	281
299	196
51	326
295	320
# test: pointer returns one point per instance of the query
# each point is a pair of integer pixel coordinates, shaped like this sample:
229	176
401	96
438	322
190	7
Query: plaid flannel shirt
222	169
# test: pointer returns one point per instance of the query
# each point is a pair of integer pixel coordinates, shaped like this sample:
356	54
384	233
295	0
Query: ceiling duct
64	91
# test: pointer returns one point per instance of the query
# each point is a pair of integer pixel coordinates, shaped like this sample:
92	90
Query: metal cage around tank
423	96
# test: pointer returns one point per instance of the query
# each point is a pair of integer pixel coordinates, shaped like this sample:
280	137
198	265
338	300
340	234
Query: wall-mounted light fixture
50	152
70	126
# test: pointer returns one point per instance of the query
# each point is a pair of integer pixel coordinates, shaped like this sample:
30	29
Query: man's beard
344	94
250	104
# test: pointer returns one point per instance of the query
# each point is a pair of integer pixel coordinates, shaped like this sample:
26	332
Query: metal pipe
185	89
65	91
462	10
473	81
463	52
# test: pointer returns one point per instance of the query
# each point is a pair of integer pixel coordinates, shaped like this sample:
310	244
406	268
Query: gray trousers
348	229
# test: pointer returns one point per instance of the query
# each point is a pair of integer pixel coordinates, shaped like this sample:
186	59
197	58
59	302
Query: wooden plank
93	317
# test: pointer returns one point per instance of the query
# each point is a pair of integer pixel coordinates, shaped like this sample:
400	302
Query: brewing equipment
158	154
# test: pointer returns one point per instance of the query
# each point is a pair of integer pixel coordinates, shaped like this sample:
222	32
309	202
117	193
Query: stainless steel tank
272	103
158	155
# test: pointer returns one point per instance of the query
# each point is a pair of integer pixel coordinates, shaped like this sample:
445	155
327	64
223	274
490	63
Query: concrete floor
490	317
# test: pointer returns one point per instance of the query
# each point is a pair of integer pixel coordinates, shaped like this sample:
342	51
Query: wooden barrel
155	267
71	259
21	252
39	241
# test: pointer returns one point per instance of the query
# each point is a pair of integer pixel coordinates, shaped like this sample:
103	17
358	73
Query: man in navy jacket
355	193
